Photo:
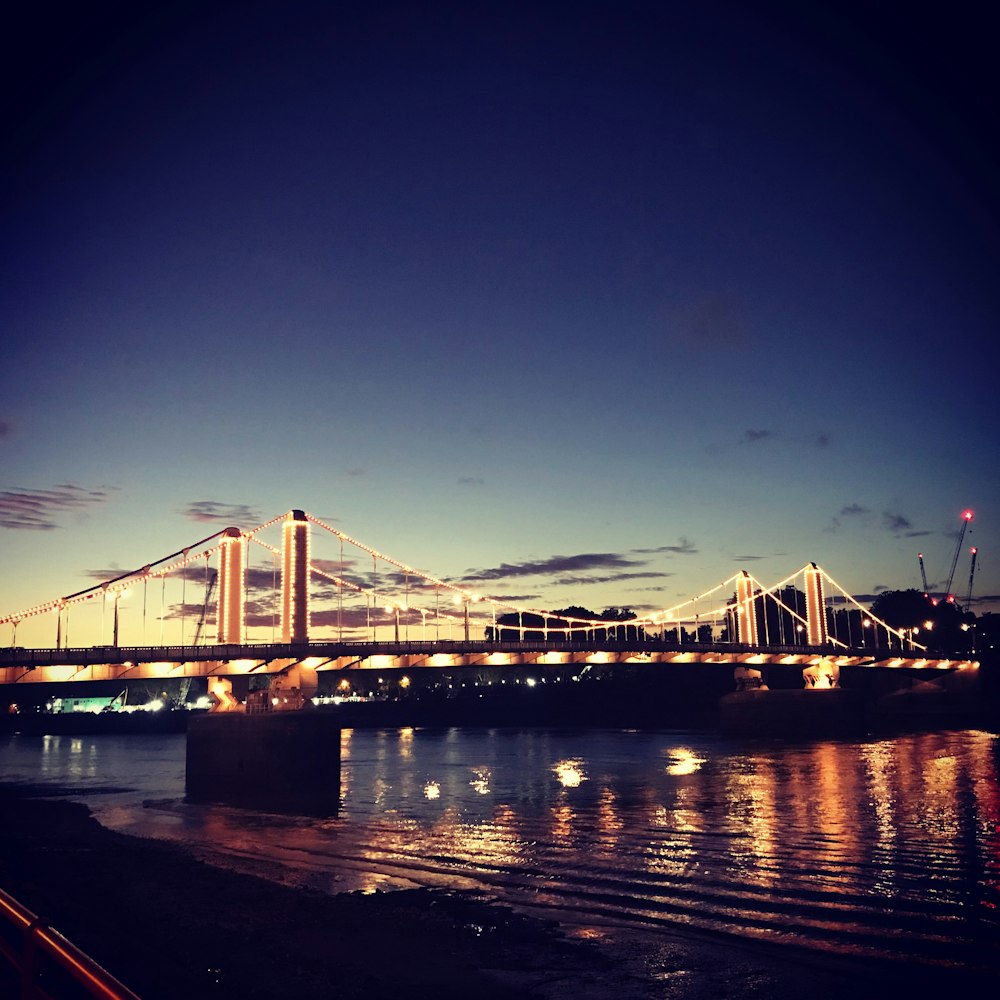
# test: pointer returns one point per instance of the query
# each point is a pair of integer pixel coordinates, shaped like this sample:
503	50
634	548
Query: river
886	848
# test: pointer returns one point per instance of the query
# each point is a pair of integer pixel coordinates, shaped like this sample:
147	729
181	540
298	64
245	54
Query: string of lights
684	613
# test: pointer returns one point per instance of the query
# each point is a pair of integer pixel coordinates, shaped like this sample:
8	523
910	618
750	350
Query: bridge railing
48	965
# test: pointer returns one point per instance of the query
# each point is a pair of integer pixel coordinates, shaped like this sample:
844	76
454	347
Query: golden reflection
609	822
432	790
569	773
406	743
879	761
940	805
683	761
671	850
380	790
495	843
588	933
562	823
481	782
751	809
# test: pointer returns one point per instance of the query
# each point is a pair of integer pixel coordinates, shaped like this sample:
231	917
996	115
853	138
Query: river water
884	848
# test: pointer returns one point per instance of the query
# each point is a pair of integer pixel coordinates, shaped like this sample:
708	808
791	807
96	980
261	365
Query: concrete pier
283	762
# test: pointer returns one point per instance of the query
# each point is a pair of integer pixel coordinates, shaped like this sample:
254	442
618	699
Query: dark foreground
169	926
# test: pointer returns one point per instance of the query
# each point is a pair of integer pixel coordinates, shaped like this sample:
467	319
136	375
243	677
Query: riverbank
168	925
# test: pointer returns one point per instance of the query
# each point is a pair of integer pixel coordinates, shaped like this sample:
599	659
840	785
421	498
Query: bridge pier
283	762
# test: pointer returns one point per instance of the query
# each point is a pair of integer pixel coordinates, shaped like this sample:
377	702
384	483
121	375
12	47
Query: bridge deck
141	662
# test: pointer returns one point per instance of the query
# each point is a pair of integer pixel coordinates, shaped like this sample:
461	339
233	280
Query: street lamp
118	594
394	609
464	599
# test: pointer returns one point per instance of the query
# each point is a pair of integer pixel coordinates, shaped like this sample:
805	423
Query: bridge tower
746	619
815	607
295	578
232	589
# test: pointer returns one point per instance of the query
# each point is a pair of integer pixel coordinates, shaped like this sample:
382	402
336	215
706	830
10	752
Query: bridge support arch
295	578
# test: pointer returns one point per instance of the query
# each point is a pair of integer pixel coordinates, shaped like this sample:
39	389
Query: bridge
336	614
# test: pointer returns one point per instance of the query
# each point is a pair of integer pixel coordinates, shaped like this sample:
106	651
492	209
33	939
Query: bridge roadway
101	663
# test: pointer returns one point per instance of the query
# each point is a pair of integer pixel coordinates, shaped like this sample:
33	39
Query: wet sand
170	926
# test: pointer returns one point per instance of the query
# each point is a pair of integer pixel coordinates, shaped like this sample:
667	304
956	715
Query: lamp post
393	609
118	595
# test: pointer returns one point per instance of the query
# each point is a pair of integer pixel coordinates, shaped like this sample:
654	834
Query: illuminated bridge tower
746	611
232	591
295	579
815	607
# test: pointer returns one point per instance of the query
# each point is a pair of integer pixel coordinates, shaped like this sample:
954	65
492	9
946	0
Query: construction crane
967	516
923	574
972	572
204	609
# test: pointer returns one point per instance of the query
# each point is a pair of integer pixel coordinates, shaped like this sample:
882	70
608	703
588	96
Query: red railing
49	966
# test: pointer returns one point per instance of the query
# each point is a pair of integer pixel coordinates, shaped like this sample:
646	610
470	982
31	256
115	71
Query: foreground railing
50	967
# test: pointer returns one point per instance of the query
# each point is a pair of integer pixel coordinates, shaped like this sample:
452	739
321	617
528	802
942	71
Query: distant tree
559	625
942	626
617	614
902	608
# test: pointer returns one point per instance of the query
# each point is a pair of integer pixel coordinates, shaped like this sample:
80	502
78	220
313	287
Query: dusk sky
589	303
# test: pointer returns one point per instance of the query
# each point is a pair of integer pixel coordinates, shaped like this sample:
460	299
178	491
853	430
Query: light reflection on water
883	847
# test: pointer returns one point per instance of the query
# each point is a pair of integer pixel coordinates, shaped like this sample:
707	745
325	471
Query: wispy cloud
822	440
747	558
5	429
900	525
38	510
553	566
470	481
213	511
575	580
850	511
682	548
753	434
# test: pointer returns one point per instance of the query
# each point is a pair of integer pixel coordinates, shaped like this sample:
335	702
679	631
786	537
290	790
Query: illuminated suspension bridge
294	615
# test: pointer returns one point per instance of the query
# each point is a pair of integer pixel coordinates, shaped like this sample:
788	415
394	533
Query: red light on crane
967	514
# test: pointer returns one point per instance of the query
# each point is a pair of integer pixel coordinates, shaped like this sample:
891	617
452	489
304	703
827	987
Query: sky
576	303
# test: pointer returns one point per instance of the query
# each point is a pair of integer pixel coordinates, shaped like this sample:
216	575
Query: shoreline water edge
167	925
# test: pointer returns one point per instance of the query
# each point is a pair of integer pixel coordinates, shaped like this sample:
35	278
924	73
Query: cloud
571	581
853	510
896	523
470	481
5	429
239	514
747	558
822	440
552	566
901	526
754	434
355	472
37	510
682	548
